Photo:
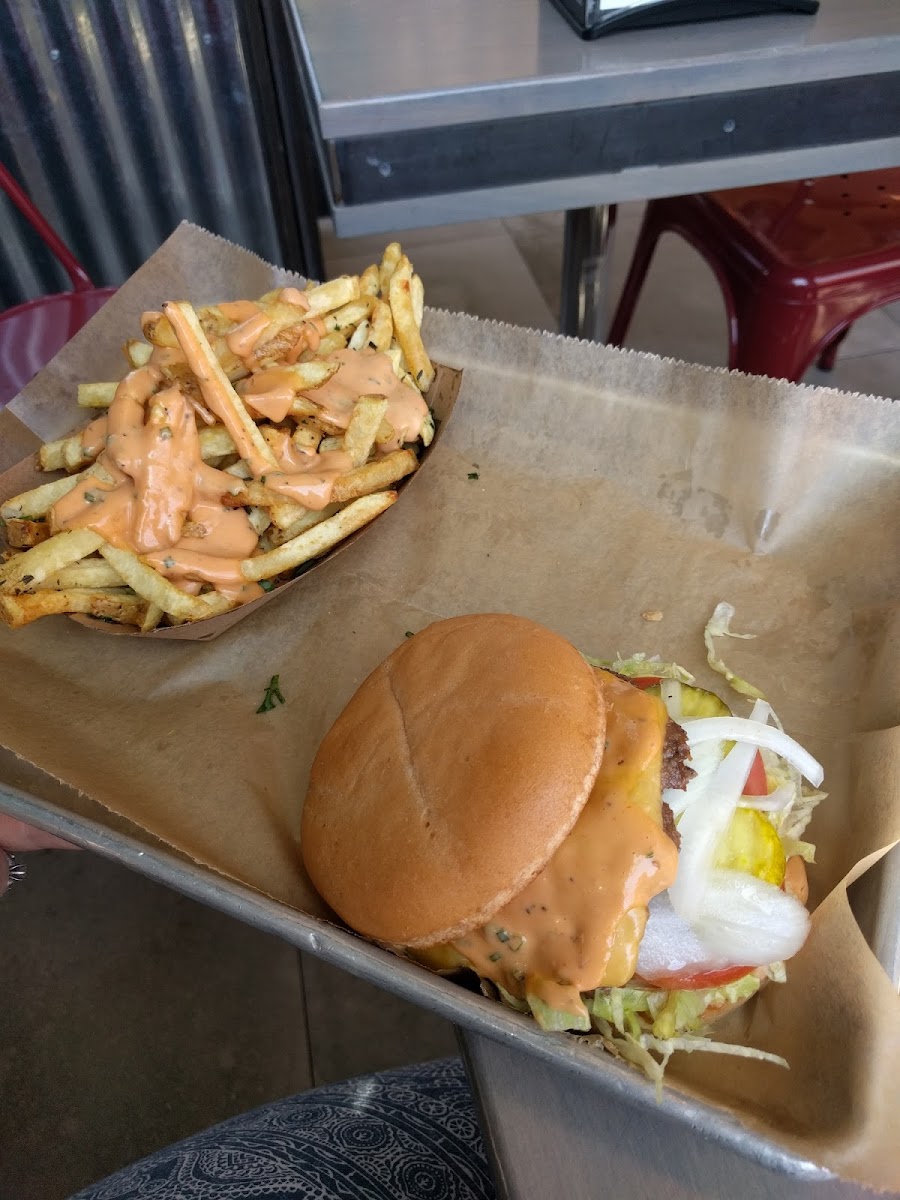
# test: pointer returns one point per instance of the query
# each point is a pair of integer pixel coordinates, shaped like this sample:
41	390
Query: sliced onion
775	801
671	947
705	759
670	692
755	732
754	921
706	819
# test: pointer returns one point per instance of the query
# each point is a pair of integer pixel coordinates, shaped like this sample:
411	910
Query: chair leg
637	273
829	355
774	339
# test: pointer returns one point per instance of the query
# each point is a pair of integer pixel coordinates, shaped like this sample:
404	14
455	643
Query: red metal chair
798	263
32	333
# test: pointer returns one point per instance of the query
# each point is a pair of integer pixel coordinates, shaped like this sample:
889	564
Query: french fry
369	281
318	539
360	335
22	534
331	342
96	395
152	618
64	454
307	436
157	329
90	573
374	476
347	317
282	509
405	326
381	326
32	568
38	501
216	441
328	296
260	520
277	537
137	352
215	385
417	296
114	605
390	259
154	587
363	428
395	354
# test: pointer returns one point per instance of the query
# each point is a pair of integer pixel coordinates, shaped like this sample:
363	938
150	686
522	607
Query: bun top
451	777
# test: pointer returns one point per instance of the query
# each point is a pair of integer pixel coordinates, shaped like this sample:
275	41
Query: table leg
585	271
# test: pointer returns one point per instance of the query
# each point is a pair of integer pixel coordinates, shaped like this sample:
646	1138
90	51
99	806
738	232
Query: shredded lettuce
643	665
557	1020
719	625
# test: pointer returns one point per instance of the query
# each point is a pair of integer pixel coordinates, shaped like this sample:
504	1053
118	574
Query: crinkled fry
317	540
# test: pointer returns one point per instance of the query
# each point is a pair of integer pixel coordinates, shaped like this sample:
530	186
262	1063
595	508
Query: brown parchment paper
579	486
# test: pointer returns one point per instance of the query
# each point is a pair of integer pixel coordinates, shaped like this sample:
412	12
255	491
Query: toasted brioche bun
451	777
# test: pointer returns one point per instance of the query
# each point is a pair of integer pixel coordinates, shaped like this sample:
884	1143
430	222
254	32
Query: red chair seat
32	333
798	263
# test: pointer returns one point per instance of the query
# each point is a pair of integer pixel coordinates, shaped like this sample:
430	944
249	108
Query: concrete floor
130	1016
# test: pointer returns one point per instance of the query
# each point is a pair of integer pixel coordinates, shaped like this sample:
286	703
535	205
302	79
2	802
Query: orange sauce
292	295
578	924
159	483
368	373
242	339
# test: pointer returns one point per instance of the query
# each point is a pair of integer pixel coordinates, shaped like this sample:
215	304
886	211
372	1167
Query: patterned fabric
410	1134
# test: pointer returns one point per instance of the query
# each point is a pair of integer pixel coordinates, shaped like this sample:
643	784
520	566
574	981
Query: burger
604	845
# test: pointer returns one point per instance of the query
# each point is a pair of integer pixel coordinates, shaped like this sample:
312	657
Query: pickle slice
697	702
752	845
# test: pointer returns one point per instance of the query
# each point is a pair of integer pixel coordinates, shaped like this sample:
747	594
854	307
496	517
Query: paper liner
579	486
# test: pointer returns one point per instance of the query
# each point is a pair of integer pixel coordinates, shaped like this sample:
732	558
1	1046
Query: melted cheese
578	924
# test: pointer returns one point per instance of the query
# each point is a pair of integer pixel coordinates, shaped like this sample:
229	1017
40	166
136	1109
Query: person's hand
15	836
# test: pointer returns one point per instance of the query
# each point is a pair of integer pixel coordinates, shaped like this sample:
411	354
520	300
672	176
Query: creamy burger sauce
158	483
578	924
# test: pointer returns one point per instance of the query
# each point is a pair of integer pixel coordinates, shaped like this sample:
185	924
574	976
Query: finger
16	835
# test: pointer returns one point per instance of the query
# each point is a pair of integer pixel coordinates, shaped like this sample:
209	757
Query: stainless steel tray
613	1088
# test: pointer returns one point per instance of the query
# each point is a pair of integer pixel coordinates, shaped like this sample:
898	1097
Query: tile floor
130	1016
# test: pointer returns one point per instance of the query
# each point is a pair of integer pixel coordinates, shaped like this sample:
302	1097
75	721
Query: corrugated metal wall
120	118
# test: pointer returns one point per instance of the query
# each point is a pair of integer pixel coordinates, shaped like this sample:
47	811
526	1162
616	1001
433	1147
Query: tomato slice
757	784
645	681
700	980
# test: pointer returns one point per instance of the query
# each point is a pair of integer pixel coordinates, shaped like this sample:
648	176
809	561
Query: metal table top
424	63
440	112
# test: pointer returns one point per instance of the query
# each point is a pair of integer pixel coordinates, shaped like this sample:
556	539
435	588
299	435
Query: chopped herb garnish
165	433
408	633
168	562
92	498
273	694
27	578
516	943
494	957
473	475
502	935
267	585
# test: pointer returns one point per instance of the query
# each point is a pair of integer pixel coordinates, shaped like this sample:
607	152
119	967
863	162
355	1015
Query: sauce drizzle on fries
248	438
